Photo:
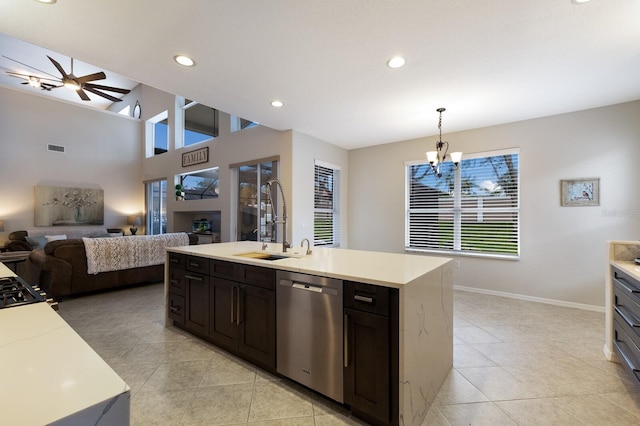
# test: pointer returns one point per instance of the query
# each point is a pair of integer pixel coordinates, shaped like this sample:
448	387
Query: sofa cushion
36	242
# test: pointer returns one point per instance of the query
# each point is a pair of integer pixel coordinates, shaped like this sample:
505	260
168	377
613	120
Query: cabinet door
176	308
257	338
367	375
224	315
176	280
197	309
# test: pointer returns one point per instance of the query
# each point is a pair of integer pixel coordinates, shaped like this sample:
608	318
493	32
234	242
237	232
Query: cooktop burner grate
16	292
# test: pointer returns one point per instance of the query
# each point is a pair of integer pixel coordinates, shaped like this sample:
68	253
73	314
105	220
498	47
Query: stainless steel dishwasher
309	331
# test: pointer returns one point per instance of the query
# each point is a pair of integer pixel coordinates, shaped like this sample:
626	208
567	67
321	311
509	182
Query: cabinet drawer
627	352
223	269
176	281
176	259
255	275
176	308
627	284
197	264
366	298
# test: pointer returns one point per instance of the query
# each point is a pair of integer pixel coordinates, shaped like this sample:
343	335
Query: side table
14	257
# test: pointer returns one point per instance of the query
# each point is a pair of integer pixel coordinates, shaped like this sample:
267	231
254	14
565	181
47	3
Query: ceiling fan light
34	81
71	84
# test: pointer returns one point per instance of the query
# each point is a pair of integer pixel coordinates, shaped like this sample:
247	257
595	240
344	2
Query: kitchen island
52	375
419	320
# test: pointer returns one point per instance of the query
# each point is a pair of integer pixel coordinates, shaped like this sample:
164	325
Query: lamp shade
432	156
456	157
134	220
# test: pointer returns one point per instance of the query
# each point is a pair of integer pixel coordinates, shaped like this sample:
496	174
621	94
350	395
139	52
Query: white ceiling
488	62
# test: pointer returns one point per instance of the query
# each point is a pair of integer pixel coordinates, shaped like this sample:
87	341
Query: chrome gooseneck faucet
285	243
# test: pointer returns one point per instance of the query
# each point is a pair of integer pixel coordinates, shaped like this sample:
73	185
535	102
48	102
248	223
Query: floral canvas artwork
64	206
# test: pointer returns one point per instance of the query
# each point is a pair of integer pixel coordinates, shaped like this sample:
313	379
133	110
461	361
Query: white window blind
474	209
326	223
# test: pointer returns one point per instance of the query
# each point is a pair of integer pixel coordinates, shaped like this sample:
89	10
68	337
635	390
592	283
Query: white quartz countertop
385	269
627	266
49	373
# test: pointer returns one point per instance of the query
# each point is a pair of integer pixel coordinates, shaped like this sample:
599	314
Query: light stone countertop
51	375
384	269
627	266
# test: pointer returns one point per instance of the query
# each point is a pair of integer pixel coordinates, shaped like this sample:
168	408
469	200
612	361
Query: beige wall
102	150
563	249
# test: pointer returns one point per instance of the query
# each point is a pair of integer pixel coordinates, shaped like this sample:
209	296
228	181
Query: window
472	210
200	123
326	223
156	198
239	123
157	134
256	213
200	185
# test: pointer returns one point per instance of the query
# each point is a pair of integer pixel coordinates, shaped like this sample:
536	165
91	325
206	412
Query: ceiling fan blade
17	74
104	95
83	95
29	66
91	77
107	88
59	67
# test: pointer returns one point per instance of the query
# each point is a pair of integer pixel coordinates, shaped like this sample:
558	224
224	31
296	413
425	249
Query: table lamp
134	221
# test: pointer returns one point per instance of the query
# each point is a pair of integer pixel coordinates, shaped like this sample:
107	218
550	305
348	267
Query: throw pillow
36	242
55	237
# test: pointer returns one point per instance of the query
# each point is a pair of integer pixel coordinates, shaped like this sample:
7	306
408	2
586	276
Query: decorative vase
78	216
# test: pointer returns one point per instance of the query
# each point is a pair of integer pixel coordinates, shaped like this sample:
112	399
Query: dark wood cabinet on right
371	352
626	322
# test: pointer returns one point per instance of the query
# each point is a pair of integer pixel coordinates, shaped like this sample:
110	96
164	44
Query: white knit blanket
116	253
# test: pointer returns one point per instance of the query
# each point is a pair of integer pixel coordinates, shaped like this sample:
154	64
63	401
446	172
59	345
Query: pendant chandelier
439	156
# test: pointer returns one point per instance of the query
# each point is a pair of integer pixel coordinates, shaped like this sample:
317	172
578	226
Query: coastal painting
65	206
580	192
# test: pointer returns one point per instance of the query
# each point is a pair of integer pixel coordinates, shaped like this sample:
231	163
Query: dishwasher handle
307	287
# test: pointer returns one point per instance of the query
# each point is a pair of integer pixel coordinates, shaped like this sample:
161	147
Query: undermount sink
263	255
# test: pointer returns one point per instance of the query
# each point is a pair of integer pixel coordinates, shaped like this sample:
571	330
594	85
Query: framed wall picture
580	192
64	206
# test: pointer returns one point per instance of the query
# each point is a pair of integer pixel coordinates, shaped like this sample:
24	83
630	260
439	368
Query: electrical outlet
456	263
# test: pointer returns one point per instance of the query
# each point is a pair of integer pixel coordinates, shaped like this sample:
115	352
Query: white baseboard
531	298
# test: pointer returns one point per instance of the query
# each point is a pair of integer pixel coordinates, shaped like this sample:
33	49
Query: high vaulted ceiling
488	62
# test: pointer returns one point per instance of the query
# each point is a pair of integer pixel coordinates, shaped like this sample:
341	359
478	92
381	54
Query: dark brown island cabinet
233	305
228	304
371	352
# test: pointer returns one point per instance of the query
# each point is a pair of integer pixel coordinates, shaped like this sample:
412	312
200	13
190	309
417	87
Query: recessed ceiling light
277	104
47	1
184	60
396	62
579	1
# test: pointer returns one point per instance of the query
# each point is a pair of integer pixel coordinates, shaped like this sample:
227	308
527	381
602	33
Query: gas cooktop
14	291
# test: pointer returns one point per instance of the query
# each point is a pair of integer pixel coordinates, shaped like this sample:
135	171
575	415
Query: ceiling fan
80	84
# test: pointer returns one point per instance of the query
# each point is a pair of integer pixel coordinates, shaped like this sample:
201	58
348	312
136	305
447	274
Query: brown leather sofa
62	269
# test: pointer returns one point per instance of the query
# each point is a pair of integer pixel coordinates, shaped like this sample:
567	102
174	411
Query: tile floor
515	363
